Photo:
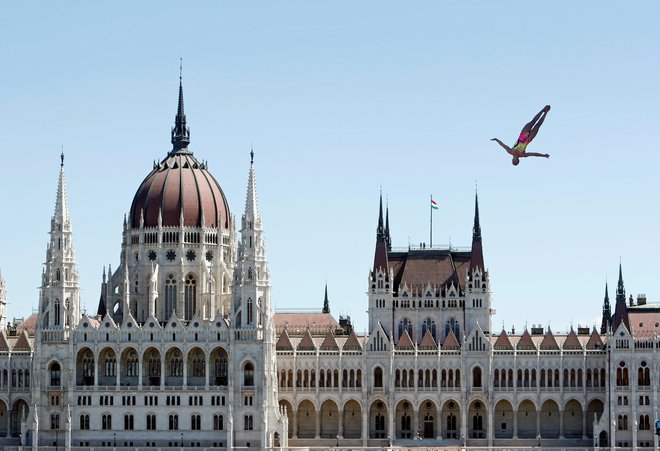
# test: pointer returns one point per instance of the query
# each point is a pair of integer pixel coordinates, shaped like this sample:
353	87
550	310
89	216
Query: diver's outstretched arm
534	154
507	148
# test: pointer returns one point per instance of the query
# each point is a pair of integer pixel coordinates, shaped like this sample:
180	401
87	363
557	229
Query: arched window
55	374
248	423
173	422
199	365
405	324
378	377
84	422
170	295
190	297
476	377
452	324
429	325
151	422
56	320
218	423
248	375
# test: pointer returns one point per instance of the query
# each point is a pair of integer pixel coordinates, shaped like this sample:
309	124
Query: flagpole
431	224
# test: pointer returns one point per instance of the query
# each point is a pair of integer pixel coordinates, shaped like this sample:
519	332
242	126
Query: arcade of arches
448	421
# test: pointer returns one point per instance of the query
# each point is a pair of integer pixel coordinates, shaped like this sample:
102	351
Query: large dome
180	186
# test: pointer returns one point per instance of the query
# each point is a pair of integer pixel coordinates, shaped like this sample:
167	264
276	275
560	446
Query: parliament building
185	349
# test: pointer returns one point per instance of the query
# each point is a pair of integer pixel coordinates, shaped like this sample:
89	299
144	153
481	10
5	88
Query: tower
380	277
255	367
620	308
59	300
478	291
607	313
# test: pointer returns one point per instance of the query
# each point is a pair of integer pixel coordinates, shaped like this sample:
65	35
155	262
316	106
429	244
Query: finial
62	157
251	154
180	69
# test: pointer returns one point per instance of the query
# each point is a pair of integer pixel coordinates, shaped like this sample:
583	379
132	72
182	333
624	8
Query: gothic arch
85	367
152	367
190	295
428	419
403	419
196	362
572	417
352	419
107	367
503	419
450	419
550	419
329	419
174	361
129	367
219	367
526	414
306	416
378	423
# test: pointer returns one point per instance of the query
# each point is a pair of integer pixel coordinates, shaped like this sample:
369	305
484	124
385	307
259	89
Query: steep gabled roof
22	344
549	343
352	343
428	342
329	343
595	341
306	344
572	342
4	346
525	343
503	342
405	341
451	343
284	342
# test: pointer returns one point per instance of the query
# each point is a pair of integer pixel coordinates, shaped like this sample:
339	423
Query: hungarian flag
434	204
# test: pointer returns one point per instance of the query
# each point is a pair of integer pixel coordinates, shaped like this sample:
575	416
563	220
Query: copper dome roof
180	187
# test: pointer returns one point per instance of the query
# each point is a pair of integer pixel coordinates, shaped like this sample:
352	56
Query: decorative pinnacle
180	132
62	158
251	154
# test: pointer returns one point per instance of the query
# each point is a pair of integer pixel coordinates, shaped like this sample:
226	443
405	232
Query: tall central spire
180	132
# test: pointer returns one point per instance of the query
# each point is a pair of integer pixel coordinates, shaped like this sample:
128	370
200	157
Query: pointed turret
326	303
620	309
59	303
607	313
380	256
477	257
388	238
180	132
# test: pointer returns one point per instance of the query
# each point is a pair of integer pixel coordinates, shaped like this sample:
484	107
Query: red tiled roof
503	341
306	344
595	341
572	341
525	343
29	325
451	342
418	268
549	343
297	323
644	324
352	343
284	342
428	342
329	342
22	344
405	342
4	346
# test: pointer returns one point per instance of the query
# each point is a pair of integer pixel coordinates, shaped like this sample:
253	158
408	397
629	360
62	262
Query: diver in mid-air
527	134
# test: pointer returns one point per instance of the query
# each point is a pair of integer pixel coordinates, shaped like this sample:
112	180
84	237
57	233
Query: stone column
294	422
415	431
365	424
584	424
184	362
538	423
318	424
515	425
490	427
140	372
206	372
118	369
341	424
561	424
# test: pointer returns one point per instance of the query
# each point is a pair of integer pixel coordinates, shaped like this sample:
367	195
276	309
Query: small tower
3	303
326	303
478	302
380	276
59	301
620	308
607	313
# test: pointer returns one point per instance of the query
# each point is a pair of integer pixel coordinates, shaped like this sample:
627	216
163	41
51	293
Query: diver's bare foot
547	155
546	108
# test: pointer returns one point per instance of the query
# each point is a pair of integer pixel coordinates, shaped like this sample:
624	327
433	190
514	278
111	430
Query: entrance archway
451	420
503	419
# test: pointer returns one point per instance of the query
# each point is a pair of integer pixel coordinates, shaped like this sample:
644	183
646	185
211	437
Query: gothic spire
388	238
326	303
380	256
620	290
477	257
61	205
620	308
251	203
607	313
180	132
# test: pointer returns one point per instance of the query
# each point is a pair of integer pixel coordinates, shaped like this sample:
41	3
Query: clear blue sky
340	99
